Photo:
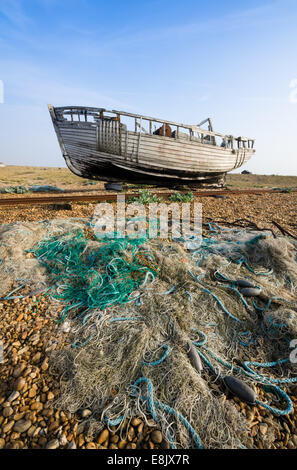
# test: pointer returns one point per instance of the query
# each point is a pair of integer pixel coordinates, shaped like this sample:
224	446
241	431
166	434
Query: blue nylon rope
114	422
153	404
269	384
156	363
225	310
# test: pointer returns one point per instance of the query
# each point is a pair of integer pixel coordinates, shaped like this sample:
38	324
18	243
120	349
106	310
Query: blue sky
231	60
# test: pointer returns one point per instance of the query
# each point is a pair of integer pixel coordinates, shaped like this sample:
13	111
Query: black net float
251	291
194	357
240	389
244	283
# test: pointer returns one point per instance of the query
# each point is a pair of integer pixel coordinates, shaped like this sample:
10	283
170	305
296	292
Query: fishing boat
118	146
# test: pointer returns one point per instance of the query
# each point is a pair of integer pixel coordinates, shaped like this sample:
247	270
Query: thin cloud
13	11
90	43
220	24
35	88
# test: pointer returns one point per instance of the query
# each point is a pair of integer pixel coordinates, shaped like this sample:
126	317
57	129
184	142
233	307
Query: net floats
240	389
251	291
244	283
194	357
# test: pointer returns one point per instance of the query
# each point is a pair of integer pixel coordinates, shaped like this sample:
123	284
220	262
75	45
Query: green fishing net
87	274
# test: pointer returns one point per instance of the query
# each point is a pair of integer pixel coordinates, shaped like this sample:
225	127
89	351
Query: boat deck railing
144	124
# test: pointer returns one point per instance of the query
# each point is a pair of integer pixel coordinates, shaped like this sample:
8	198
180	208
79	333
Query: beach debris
113	186
62	206
46	189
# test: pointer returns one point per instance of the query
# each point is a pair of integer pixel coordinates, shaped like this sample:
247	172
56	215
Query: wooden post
126	144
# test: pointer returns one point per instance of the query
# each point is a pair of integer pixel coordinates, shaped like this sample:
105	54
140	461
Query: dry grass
261	181
36	175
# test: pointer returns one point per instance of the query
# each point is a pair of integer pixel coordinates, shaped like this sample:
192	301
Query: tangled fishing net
157	327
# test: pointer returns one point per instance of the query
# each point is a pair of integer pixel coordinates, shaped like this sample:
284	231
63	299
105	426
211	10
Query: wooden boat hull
105	150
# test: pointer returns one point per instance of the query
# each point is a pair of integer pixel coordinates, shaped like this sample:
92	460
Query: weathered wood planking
183	159
185	154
